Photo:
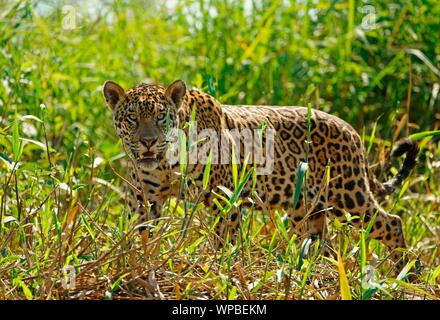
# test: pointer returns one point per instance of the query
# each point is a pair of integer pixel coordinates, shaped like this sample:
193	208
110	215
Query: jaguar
339	180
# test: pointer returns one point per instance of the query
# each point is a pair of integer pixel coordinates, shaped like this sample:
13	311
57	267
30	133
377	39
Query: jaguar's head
143	116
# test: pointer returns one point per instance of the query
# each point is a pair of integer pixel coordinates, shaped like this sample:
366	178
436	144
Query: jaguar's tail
404	146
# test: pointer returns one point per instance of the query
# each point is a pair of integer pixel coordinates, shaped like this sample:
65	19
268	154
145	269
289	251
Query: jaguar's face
143	117
143	128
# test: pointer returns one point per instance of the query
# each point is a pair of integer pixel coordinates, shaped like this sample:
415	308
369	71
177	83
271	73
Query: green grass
61	162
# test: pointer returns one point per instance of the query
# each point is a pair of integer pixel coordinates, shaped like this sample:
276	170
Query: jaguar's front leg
149	209
227	224
227	227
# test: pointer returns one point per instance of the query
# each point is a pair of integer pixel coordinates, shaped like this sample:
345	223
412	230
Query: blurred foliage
355	59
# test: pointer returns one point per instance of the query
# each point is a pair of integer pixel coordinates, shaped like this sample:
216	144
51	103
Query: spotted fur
139	117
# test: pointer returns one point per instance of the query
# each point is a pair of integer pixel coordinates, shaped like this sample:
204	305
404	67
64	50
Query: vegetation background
373	63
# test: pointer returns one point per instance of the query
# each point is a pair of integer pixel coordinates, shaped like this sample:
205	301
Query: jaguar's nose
149	142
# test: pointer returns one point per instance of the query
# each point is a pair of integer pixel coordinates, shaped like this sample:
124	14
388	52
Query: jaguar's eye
160	116
132	117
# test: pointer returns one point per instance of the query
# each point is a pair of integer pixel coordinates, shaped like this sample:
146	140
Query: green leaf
424	134
261	127
168	121
343	282
9	164
363	252
309	120
211	89
419	54
372	138
193	112
281	226
87	225
9	259
256	285
183	151
370	224
207	171
304	250
56	223
234	168
238	191
30	117
227	191
115	286
301	172
17	145
368	293
405	270
413	287
7	219
434	275
27	292
243	169
272	243
232	293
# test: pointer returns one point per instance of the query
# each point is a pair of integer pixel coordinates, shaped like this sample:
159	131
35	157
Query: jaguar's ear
113	93
176	92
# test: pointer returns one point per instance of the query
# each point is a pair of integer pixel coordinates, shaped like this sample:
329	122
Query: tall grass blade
343	281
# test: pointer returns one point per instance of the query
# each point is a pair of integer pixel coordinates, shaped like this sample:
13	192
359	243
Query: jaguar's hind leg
297	218
227	228
387	227
313	226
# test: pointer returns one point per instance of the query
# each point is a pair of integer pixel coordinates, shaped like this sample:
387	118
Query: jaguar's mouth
148	157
